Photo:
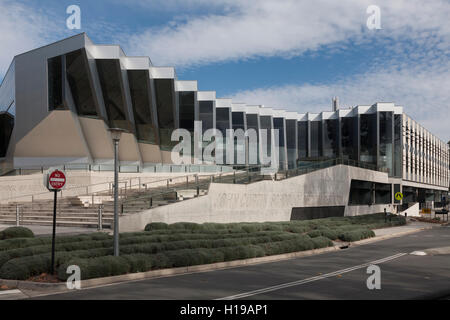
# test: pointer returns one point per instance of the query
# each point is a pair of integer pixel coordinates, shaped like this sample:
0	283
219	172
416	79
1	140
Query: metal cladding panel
58	135
206	95
185	85
31	82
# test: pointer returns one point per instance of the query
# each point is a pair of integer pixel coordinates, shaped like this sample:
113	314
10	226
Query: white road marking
312	279
10	291
418	253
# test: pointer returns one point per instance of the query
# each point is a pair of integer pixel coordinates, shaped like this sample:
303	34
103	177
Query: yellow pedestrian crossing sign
398	196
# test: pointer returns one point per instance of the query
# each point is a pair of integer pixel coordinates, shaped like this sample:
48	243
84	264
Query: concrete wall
262	201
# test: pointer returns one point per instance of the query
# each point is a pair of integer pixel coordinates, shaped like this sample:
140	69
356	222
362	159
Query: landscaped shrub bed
179	245
16	232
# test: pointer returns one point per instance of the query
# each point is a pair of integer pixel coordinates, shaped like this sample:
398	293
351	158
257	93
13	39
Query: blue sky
286	54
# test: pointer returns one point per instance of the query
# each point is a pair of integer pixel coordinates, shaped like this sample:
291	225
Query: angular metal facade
70	92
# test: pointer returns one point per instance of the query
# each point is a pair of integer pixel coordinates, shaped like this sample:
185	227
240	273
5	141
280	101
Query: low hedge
93	268
149	241
30	242
16	232
180	244
356	235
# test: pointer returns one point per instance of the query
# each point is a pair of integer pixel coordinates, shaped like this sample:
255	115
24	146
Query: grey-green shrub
156	226
16	232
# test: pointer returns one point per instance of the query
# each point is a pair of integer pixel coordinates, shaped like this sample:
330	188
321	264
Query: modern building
58	101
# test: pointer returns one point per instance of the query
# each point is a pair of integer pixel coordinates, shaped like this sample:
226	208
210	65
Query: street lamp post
115	135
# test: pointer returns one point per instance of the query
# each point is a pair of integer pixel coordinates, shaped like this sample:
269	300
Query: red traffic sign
56	180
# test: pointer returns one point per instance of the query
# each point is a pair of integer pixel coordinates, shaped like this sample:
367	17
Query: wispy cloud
22	28
413	71
285	28
422	90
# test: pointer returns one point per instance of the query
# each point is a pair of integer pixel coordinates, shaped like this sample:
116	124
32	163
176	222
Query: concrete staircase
70	212
84	211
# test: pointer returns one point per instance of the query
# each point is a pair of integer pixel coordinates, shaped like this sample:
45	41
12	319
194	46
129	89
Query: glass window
187	109
164	92
6	128
252	123
398	168
291	142
239	144
349	137
266	124
55	83
383	193
385	155
302	134
330	138
361	193
141	100
368	132
206	114
111	83
316	139
79	82
278	123
222	124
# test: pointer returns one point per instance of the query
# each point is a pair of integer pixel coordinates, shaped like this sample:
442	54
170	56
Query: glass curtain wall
206	116
186	100
111	82
55	83
238	122
6	128
141	99
330	138
349	138
291	142
398	146
74	67
266	124
386	138
164	93
278	124
368	133
222	124
252	123
302	139
316	139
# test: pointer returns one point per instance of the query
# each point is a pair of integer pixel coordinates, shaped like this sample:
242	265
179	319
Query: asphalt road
336	275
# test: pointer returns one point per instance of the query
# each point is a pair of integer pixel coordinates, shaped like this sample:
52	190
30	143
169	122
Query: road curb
50	288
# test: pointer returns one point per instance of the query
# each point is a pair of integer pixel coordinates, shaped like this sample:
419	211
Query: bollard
100	217
150	203
385	215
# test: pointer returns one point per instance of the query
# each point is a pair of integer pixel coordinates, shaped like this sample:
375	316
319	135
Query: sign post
55	181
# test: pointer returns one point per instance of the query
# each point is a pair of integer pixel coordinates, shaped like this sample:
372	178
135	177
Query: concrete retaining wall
263	201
